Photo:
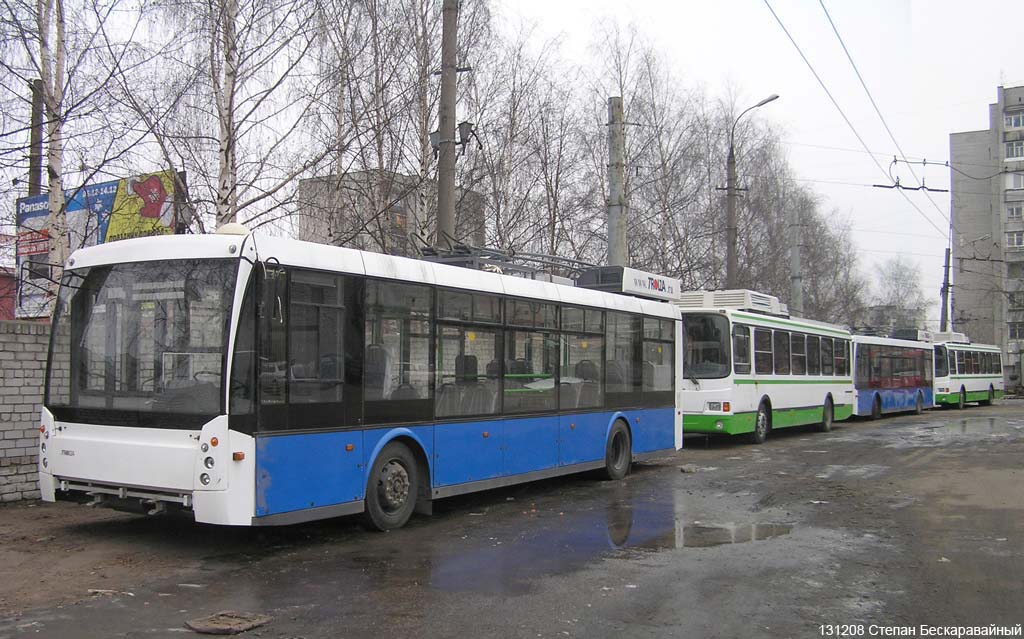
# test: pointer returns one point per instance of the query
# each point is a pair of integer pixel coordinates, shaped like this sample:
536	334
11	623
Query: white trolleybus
749	368
891	376
257	380
966	372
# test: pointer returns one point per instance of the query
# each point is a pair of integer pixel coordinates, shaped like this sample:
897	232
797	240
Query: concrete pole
731	266
35	154
796	285
446	126
616	184
944	292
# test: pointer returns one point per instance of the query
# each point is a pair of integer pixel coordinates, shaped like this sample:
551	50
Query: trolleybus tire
876	408
618	452
392	488
919	404
991	396
827	416
762	422
961	402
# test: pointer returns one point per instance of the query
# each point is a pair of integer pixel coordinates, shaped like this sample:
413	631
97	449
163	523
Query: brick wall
23	348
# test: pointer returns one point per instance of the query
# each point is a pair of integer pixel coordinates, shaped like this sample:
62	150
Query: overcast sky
931	66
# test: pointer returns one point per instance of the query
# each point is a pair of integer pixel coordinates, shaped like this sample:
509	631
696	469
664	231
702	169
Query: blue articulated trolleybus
257	380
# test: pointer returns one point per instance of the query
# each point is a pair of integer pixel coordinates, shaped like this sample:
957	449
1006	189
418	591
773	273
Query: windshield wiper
693	378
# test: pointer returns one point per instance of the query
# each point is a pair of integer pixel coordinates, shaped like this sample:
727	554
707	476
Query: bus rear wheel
618	452
919	405
761	424
827	416
876	408
961	402
392	488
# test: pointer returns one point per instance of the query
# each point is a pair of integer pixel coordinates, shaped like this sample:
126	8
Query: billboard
138	206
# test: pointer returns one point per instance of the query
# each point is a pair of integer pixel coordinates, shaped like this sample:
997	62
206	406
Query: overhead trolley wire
853	129
878	112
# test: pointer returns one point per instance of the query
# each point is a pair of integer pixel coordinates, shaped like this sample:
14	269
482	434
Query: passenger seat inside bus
477	399
374	371
590	387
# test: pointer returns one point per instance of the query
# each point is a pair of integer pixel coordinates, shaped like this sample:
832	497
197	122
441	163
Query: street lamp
730	199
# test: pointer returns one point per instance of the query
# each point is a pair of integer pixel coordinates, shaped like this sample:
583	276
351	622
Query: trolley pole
616	184
446	126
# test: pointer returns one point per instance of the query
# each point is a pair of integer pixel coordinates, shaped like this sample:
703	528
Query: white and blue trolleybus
257	380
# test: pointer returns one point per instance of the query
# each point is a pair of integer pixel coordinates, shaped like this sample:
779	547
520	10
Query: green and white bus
749	368
966	372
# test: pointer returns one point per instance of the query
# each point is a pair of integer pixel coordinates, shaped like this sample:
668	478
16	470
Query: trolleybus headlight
205	447
715	406
208	462
204	479
719	425
45	463
44	447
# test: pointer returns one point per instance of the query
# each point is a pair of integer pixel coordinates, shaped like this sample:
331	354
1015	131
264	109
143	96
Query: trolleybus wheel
991	396
876	408
761	422
961	402
827	416
392	488
919	405
618	452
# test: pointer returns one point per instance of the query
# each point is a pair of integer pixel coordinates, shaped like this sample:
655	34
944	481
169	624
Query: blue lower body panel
295	472
313	470
894	400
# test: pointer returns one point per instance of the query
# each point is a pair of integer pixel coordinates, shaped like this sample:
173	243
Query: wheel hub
394	486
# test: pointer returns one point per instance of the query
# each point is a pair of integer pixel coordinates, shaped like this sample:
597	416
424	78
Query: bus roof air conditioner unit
739	299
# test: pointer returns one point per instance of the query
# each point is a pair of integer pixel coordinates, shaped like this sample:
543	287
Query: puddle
700	536
956	431
573	541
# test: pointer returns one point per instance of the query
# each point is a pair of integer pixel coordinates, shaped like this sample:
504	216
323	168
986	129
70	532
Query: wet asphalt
773	540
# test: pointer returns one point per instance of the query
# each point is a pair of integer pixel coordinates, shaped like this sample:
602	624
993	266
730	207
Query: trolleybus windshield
141	343
706	346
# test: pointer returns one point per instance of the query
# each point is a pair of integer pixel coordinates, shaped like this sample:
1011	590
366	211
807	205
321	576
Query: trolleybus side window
622	383
781	345
531	357
582	360
741	348
658	350
827	363
241	407
999	363
468	355
799	355
273	349
396	365
842	356
813	355
961	362
941	363
763	351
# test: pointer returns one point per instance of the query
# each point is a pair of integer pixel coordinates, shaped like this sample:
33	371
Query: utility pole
944	292
446	126
796	286
616	184
35	154
730	218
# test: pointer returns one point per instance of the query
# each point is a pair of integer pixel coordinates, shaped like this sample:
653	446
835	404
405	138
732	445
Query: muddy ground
906	521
